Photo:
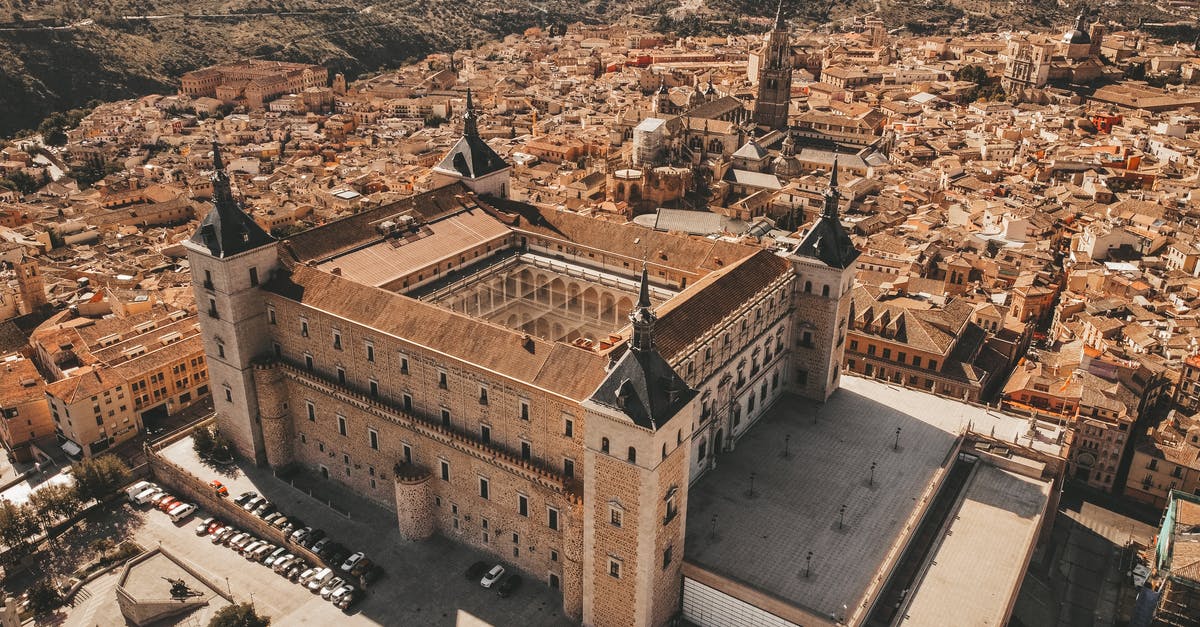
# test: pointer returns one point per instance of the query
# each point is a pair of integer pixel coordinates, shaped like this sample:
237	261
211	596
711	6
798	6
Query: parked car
275	556
238	539
202	528
248	544
253	503
134	490
342	590
279	522
263	508
143	497
307	575
219	488
318	547
280	563
319	579
181	511
329	586
352	561
492	576
508	585
221	534
475	571
168	503
245	497
261	552
346	601
294	571
336	554
271	517
300	534
314	536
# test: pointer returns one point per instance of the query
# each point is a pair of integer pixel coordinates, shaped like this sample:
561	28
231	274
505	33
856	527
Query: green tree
55	502
17	523
23	182
240	615
202	441
99	477
993	247
222	447
43	598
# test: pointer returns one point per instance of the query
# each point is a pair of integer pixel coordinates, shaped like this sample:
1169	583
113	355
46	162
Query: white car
492	576
202	528
181	511
282	563
319	578
275	556
341	592
331	585
352	561
306	575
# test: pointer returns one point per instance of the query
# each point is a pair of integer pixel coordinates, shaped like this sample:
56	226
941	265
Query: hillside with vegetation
57	55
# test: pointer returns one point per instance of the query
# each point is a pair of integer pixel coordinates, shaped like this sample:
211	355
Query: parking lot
424	582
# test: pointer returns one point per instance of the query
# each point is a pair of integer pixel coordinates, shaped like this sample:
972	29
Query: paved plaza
762	538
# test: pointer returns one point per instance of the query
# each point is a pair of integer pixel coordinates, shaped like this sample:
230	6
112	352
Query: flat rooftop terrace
762	537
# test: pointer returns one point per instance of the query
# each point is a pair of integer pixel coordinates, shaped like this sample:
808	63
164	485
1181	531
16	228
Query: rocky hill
59	54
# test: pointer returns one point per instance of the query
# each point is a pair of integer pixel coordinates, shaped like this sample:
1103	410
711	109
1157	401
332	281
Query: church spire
643	316
779	16
831	195
227	230
222	194
470	125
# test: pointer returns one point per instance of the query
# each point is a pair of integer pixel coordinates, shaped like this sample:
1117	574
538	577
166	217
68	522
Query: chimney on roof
527	342
337	271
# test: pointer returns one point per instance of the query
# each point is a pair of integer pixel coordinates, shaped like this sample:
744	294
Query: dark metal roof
227	230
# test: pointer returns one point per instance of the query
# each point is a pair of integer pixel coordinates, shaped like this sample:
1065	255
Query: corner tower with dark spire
231	256
775	77
472	161
824	264
636	467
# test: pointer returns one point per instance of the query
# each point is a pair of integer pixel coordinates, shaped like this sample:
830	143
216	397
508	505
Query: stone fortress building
537	384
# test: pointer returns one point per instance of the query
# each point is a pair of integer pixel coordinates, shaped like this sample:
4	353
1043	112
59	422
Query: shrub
203	441
99	477
43	598
240	615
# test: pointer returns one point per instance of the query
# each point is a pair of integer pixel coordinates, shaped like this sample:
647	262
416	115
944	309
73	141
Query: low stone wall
186	485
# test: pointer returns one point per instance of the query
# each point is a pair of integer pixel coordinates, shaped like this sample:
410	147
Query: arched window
825	291
664	451
808	287
632	455
603	445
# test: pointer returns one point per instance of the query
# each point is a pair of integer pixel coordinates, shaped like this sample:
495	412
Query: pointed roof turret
642	317
827	240
227	230
779	16
471	157
641	386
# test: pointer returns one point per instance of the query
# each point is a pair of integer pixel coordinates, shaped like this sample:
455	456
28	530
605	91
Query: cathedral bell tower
775	77
231	256
824	265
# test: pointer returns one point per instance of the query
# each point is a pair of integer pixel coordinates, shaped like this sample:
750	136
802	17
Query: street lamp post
786	441
871	482
841	517
808	564
896	444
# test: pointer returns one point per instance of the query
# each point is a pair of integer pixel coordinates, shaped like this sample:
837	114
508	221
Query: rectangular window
569	428
445	465
228	394
485	434
917	360
569	468
666	557
483	397
373	438
308	362
442	381
614	516
553	555
407	402
552	518
524	409
374	387
304	327
522	505
271	315
312	411
483	488
403	364
341	420
614	568
933	364
341	375
406	450
337	340
445	417
253	277
526	450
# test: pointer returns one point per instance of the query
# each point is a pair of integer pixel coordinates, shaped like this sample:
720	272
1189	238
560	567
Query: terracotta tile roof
80	386
559	368
702	305
20	382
